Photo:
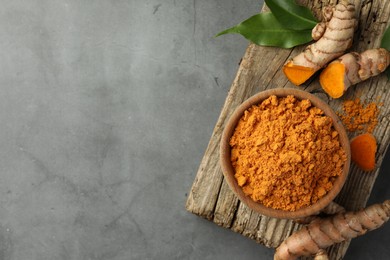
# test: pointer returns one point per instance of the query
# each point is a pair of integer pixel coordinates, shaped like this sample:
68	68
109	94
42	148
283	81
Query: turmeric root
321	255
331	209
322	233
363	150
353	68
334	36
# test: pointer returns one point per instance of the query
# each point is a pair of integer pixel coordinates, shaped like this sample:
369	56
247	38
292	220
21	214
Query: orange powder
286	153
359	116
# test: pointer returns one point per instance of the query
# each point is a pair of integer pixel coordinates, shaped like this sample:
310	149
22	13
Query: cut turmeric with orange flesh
353	68
363	150
297	74
332	80
334	36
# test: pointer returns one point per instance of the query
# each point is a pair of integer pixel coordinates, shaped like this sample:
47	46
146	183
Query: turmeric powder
363	150
359	116
286	153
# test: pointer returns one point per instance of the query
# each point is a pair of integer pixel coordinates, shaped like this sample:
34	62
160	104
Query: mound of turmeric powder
359	116
286	153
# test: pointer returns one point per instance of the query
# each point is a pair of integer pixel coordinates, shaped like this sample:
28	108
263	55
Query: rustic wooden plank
226	207
210	196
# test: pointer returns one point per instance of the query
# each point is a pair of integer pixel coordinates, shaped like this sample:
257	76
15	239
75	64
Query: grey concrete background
106	108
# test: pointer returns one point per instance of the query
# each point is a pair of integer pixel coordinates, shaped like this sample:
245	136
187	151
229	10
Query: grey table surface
106	108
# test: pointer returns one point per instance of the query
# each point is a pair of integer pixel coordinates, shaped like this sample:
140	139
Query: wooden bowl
228	170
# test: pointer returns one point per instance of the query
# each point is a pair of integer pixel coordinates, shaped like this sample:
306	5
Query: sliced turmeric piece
353	68
363	150
297	74
332	80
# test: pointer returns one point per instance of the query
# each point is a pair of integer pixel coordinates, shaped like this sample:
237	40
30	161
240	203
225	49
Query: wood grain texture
260	69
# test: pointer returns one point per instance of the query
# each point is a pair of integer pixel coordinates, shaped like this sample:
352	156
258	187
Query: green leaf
291	15
387	71
385	43
264	29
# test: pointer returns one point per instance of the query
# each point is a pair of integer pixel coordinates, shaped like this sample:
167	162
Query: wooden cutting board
260	69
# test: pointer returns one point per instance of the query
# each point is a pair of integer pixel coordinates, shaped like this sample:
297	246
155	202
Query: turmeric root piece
321	255
334	35
332	80
297	74
353	68
331	209
322	233
363	150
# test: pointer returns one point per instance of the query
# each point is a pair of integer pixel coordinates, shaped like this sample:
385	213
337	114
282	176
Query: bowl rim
228	171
